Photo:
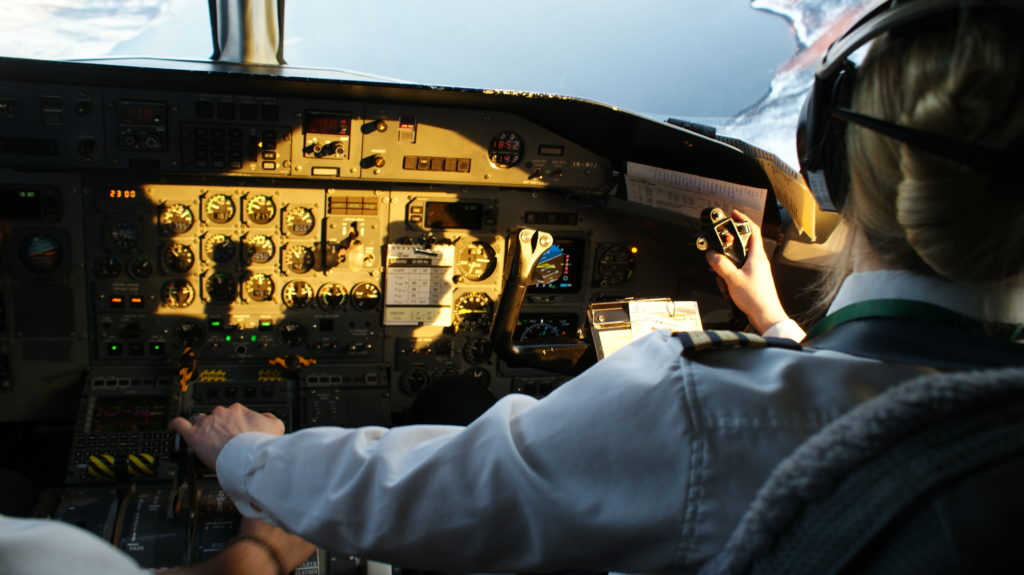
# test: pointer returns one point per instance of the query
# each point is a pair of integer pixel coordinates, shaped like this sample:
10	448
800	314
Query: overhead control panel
229	134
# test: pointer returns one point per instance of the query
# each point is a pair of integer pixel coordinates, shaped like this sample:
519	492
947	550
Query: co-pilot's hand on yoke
208	434
752	287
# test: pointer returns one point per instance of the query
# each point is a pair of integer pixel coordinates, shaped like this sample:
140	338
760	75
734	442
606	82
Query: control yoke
532	259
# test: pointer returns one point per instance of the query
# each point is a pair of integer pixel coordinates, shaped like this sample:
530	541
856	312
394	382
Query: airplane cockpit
177	235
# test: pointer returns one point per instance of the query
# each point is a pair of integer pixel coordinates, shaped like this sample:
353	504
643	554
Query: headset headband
820	142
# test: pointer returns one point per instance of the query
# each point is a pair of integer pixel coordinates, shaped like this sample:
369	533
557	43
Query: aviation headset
821	132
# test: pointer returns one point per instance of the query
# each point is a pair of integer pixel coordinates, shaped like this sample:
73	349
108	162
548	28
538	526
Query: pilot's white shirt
49	546
645	462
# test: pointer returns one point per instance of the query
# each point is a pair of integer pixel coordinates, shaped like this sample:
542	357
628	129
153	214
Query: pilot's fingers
721	265
180	425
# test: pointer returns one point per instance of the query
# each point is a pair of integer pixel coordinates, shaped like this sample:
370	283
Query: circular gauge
175	219
219	209
298	259
615	265
505	150
478	375
331	296
178	294
221	288
258	287
540	329
219	248
188	333
140	267
40	253
298	221
122	235
472	311
177	258
107	267
297	294
477	350
414	381
365	296
475	261
260	209
291	333
258	249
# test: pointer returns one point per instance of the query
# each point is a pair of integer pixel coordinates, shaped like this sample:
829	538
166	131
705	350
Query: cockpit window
723	63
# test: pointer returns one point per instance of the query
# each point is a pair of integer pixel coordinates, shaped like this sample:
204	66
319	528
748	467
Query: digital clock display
141	113
122	193
326	123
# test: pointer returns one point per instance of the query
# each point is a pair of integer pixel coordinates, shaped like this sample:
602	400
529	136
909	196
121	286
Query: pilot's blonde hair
962	77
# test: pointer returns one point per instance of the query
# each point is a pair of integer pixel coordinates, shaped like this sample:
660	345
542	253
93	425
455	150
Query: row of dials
175	219
221	288
179	258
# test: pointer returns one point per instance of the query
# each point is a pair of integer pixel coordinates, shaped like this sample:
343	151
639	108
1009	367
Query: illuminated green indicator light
252	338
115	347
215	323
227	337
157	346
264	323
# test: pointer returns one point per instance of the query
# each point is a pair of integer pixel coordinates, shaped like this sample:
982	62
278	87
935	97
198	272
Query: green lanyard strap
901	308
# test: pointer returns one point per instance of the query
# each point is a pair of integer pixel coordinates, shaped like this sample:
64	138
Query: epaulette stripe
694	341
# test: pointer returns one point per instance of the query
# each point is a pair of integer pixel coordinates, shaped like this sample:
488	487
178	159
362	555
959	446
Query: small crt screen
129	414
541	325
334	124
21	203
464	215
572	268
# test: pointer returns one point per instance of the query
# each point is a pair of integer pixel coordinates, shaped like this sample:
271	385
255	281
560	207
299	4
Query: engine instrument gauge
298	221
258	288
475	261
221	288
365	296
258	249
122	235
177	257
472	311
332	296
219	248
107	267
178	294
175	219
40	253
414	381
615	265
297	294
219	209
140	267
540	329
478	375
505	150
477	350
260	209
298	259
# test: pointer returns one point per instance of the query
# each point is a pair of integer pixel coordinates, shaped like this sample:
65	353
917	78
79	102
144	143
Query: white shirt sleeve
593	475
787	329
49	546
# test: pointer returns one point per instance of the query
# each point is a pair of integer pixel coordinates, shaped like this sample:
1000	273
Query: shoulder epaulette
695	341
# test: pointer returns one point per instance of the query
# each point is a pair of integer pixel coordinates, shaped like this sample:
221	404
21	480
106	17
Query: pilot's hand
752	287
208	434
292	550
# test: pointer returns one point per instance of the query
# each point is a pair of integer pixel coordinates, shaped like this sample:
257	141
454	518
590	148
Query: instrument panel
321	250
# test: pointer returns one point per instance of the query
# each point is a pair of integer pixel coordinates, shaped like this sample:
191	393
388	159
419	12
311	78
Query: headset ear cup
821	138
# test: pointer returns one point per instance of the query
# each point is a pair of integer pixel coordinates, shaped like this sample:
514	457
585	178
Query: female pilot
647	461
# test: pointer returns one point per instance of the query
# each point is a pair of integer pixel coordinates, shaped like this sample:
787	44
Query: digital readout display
141	113
21	203
324	123
129	414
572	268
464	215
